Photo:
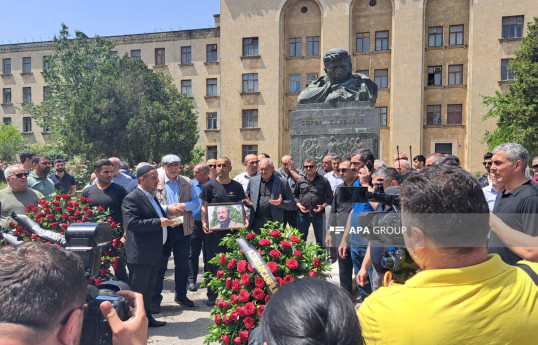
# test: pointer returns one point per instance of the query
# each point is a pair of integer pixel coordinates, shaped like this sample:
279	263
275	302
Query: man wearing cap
147	231
177	197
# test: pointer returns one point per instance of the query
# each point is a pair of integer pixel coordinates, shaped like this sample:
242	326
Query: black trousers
142	279
198	239
345	267
290	218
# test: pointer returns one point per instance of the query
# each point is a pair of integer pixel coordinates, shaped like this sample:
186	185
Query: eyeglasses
344	170
222	165
309	166
21	175
487	163
83	307
212	165
337	170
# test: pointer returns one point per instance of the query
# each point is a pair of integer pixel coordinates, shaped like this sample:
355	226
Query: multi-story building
432	61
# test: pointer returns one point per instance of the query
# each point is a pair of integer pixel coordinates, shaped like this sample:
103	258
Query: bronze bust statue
339	85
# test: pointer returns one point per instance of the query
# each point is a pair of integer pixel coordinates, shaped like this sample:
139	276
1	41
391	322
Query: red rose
259	251
113	224
258	294
76	204
280	281
298	254
250	269
34	236
244	296
295	239
292	264
29	208
104	271
35	210
244	335
55	224
217	319
260	310
39	215
275	233
249	322
236	285
69	203
70	209
238	340
26	233
220	274
245	279
46	210
72	218
89	212
64	215
234	316
66	196
264	242
225	339
57	197
219	303
240	311
85	218
233	298
250	308
259	282
225	305
227	320
285	244
274	253
50	216
242	266
45	204
250	236
64	225
267	298
55	203
228	283
317	263
100	209
115	265
88	200
58	209
231	264
98	281
312	273
19	228
110	219
273	267
288	279
77	213
81	199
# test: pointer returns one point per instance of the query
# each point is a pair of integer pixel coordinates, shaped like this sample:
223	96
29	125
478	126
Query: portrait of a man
226	217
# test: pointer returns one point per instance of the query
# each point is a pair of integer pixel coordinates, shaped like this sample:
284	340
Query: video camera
88	241
384	227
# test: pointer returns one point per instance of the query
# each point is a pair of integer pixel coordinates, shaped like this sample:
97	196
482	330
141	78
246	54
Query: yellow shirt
489	303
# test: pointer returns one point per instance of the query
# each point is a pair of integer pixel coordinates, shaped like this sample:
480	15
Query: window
506	74
46	93
435	76
453	114
363	42
136	54
435	36
295	83
26	124
186	55
6	96
250	118
27	65
6	66
46	63
513	27
211	53
211	119
364	71
456	34
312	45
211	152
250	46
445	148
27	94
211	87
382	40
250	82
382	111
7	120
381	78
295	46
455	74
310	78
159	57
249	150
434	115
186	87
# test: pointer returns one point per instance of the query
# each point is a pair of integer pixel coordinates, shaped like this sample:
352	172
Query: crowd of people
460	293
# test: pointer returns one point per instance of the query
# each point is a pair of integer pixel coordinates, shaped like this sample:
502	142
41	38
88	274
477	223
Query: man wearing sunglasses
17	196
535	169
484	179
54	313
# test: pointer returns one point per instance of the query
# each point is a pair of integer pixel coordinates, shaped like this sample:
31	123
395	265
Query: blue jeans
357	256
303	223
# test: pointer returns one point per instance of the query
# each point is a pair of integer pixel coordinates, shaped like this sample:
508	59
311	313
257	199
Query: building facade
431	59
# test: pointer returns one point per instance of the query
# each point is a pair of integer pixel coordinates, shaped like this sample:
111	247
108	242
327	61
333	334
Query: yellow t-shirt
488	303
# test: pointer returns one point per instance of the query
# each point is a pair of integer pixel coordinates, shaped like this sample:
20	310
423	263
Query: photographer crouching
43	299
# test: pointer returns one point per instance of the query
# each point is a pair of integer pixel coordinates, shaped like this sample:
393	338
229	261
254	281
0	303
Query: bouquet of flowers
56	213
243	294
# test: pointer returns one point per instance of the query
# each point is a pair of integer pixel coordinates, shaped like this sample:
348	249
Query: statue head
337	62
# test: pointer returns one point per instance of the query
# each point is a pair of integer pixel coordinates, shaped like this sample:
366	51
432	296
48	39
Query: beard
60	170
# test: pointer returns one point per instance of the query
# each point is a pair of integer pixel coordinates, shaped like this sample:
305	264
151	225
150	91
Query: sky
38	20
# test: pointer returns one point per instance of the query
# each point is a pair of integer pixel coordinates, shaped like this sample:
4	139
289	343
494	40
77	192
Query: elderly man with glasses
17	196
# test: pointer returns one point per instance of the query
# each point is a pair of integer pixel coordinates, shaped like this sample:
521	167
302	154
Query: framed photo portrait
226	216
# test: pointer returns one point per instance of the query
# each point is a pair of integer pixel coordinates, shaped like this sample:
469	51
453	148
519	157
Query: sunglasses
309	166
535	166
212	165
21	175
344	170
487	163
221	165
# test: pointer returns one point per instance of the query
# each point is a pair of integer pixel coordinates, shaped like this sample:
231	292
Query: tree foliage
517	109
11	142
105	105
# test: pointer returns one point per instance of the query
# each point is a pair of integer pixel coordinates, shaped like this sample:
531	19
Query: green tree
104	105
517	109
11	142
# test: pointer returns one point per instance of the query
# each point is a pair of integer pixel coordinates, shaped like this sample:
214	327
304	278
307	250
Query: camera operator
462	295
44	303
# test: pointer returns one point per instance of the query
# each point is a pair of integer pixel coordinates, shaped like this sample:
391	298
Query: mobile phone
369	166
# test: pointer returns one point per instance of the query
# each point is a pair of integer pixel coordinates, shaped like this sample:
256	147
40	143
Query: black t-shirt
215	192
64	183
110	198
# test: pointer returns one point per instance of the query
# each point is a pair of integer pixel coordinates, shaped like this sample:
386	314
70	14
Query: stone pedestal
321	129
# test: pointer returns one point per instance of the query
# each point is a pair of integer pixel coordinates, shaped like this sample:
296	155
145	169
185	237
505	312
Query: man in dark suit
269	195
147	231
